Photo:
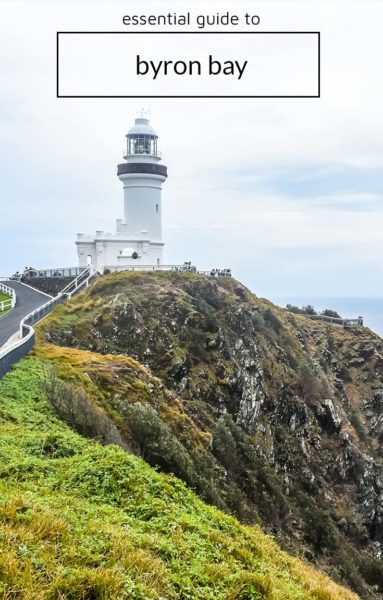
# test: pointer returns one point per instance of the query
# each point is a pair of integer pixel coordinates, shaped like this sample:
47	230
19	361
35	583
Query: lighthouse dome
141	127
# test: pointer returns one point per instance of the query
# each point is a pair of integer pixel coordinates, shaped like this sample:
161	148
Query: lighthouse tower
142	177
138	237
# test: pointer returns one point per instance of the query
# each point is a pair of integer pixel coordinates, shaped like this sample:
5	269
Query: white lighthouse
138	237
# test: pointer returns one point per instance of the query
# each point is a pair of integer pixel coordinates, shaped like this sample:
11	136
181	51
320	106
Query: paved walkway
27	300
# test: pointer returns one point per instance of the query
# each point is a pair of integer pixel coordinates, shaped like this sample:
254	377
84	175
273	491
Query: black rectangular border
317	33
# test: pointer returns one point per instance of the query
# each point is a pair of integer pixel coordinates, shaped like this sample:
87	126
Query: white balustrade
9	303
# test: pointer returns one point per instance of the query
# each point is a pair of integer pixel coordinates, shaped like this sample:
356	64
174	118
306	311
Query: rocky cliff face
266	414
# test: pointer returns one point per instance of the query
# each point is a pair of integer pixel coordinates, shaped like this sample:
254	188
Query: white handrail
88	272
7	349
76	284
80	281
26	330
40	309
5	304
10	292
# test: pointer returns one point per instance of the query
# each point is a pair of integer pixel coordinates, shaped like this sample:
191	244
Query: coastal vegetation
309	310
81	520
266	416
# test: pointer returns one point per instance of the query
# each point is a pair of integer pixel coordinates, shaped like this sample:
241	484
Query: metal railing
11	354
50	273
216	273
127	154
184	268
118	269
347	323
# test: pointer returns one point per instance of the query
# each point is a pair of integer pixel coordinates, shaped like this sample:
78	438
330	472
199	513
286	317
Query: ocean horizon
371	309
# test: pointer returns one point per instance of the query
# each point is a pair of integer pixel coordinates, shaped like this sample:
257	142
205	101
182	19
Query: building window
158	261
156	208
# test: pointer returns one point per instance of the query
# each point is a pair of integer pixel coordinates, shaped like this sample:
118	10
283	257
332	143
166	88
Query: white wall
106	252
142	195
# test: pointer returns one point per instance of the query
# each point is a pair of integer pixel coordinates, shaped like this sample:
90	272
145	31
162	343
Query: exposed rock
292	411
328	416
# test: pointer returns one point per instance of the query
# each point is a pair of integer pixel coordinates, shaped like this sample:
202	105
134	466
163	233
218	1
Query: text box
188	64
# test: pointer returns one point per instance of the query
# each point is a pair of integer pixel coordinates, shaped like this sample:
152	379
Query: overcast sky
288	193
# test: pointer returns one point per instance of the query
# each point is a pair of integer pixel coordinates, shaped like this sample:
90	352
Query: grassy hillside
267	415
83	521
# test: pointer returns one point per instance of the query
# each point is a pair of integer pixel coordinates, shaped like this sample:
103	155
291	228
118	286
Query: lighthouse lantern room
138	237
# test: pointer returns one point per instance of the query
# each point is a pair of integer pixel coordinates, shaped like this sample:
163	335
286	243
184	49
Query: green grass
83	521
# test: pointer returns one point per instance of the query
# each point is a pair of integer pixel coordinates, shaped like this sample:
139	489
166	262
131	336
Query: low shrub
72	405
372	571
310	387
272	320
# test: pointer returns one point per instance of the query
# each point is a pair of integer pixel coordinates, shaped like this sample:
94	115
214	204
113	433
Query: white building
138	237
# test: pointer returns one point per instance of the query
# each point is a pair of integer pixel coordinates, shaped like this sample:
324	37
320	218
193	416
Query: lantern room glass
142	144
